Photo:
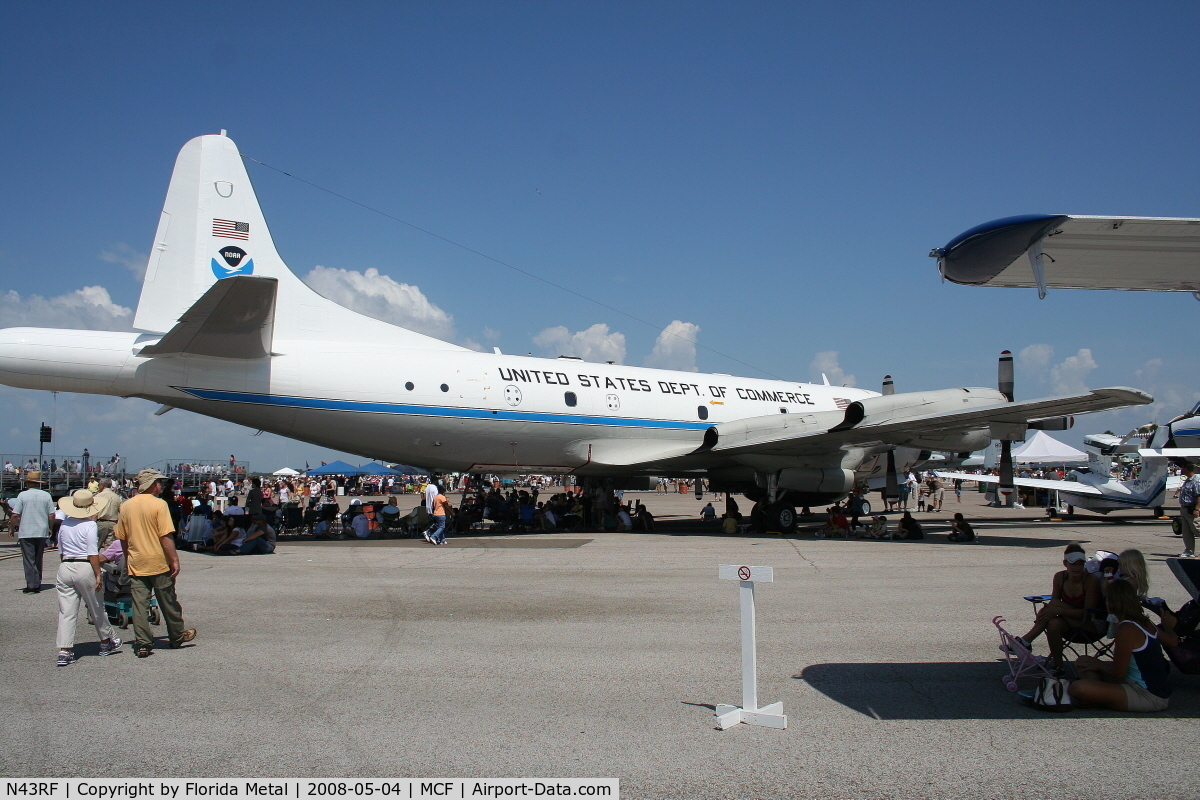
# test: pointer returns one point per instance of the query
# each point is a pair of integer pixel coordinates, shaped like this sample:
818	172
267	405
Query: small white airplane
230	332
1160	254
1098	489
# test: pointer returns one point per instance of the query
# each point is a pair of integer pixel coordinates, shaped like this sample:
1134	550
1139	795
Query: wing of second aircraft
1077	252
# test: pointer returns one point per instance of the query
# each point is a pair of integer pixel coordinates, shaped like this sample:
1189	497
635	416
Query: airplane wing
1035	483
1077	252
235	318
781	437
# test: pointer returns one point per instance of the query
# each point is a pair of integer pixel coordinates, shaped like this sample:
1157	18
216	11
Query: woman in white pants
79	575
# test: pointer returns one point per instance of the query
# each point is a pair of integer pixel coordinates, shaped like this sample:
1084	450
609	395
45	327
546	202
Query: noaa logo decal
236	263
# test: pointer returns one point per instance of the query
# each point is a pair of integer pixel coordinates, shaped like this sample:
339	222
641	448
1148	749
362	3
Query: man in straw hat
30	521
145	530
79	575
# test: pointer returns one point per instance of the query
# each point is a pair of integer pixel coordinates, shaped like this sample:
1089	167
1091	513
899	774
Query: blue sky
773	173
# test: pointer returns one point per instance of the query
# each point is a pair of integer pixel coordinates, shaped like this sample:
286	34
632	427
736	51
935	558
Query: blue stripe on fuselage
434	411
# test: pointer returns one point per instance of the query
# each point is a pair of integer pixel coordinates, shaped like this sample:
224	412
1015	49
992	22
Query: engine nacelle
817	481
912	405
909	405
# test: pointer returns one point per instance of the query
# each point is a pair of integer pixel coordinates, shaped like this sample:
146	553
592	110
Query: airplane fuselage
448	410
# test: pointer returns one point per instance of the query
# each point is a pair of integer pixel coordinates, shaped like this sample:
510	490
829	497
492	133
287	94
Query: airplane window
783	411
570	399
702	412
445	388
409	386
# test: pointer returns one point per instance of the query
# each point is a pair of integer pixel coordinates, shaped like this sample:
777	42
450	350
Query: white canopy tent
288	471
1042	448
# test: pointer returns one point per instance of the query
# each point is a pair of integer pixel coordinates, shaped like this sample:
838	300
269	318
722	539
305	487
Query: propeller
1005	383
891	489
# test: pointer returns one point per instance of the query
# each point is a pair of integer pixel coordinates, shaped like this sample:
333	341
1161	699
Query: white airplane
1097	489
230	332
1160	254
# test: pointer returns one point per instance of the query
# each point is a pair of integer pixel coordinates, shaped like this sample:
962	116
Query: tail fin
212	228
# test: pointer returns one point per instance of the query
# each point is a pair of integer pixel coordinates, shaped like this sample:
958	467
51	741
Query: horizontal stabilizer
1171	452
235	318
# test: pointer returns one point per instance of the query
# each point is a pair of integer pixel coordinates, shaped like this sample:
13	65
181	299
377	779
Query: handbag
1053	694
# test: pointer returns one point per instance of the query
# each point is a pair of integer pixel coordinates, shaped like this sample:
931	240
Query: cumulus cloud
826	363
491	334
1149	370
593	344
377	295
1069	377
1036	357
471	344
126	256
88	308
675	347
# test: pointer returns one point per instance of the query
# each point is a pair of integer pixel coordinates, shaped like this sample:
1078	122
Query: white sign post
771	716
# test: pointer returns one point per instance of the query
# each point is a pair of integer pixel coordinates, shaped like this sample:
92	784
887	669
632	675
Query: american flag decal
841	403
228	229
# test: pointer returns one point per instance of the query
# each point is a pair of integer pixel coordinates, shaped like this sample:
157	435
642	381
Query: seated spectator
961	530
909	528
256	539
1131	566
361	526
877	528
837	525
227	536
234	509
708	513
624	521
645	520
1136	678
1074	591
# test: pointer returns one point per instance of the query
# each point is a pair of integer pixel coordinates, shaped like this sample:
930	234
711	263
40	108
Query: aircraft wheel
866	508
781	517
1070	510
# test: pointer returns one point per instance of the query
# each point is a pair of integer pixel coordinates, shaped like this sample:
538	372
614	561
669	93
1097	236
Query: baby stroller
118	599
1020	661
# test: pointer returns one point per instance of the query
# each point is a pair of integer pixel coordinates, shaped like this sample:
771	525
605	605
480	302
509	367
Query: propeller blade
1005	380
891	489
1006	487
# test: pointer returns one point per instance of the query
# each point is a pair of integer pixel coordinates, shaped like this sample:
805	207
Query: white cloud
127	257
593	344
826	362
471	344
1149	370
1036	357
1069	377
491	334
88	308
382	298
675	347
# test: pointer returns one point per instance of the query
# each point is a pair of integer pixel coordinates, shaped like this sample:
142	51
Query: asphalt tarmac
602	655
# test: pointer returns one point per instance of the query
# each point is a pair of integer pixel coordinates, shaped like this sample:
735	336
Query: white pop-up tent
1042	448
288	471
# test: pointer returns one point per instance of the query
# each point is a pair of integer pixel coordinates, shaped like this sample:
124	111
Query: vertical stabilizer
212	228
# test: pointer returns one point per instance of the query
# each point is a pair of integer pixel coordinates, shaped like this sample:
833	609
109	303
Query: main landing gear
781	517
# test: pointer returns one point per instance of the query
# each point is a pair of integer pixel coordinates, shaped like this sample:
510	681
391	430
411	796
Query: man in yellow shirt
145	530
